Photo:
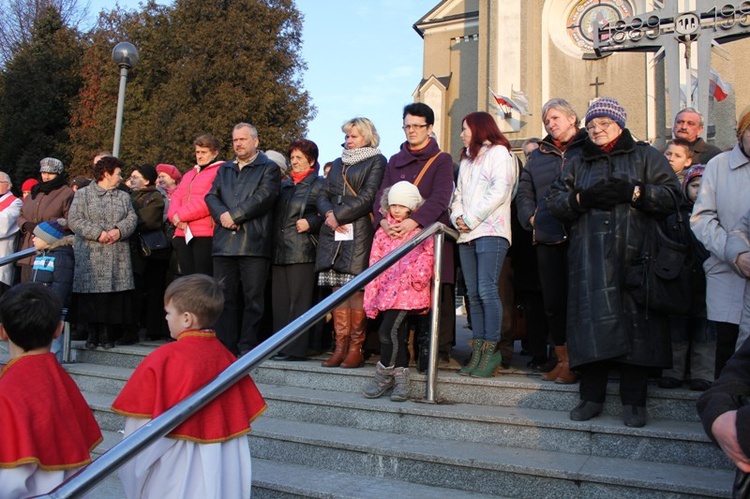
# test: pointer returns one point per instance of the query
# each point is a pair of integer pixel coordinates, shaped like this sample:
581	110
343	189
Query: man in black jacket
688	125
241	201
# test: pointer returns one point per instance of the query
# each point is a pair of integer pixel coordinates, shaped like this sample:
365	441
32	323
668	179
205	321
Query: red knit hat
170	170
28	184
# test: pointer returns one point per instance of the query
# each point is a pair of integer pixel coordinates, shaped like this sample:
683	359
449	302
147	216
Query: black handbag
153	240
661	278
313	237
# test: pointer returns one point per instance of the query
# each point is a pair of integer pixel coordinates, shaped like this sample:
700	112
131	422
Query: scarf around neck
354	156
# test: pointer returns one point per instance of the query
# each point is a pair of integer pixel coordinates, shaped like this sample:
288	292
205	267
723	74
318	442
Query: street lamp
125	56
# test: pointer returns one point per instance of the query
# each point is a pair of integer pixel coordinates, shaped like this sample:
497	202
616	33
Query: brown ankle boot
354	356
341	320
565	376
555	371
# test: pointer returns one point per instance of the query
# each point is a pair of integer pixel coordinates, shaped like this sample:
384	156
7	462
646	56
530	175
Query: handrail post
430	397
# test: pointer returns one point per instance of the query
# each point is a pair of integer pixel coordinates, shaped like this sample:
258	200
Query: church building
545	48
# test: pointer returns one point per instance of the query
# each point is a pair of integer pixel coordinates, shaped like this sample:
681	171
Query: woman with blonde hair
346	236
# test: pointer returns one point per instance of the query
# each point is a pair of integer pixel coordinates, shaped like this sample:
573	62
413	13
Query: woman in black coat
346	204
296	227
563	142
608	195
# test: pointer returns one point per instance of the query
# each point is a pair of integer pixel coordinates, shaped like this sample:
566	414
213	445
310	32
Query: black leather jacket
349	257
290	246
248	195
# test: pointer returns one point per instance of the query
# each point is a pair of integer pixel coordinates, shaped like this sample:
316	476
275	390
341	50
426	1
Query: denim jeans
481	263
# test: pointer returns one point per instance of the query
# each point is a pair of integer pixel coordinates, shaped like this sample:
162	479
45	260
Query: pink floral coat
406	284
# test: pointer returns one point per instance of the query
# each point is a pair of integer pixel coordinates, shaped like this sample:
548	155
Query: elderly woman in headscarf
49	200
608	195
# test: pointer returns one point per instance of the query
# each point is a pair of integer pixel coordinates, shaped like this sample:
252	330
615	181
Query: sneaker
586	410
634	416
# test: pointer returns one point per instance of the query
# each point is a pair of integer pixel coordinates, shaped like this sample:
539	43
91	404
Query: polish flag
719	88
505	101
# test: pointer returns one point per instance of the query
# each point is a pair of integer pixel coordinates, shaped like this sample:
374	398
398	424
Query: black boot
93	336
130	337
105	336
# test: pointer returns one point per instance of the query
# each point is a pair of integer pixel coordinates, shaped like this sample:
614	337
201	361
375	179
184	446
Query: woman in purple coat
421	162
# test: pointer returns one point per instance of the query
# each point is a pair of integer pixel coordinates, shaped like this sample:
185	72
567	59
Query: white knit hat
405	194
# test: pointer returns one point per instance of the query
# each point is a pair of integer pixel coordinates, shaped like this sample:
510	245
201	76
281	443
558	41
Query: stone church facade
544	49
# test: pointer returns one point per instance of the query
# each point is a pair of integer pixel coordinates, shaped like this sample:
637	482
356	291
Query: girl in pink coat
402	289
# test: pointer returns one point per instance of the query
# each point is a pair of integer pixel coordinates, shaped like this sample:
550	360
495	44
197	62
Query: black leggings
393	337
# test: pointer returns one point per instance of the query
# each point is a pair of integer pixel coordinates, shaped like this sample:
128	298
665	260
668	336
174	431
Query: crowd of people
277	235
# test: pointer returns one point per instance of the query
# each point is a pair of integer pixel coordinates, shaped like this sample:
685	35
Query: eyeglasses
408	128
603	125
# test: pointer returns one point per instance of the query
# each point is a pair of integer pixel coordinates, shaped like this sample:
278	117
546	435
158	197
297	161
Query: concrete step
661	441
478	468
273	479
520	389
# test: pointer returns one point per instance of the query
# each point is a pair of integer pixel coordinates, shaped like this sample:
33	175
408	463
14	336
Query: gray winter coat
604	321
101	268
723	199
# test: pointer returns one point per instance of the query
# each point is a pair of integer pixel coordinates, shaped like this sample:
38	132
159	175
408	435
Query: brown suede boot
555	371
354	357
341	320
565	376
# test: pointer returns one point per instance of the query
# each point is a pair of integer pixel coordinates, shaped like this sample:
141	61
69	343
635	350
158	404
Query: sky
363	58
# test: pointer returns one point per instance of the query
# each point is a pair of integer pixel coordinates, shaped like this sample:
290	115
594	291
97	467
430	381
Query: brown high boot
354	356
555	371
341	319
565	376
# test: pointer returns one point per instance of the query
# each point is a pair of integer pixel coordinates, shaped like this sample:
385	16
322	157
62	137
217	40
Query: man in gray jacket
241	201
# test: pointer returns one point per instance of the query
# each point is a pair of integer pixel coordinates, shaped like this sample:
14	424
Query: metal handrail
126	449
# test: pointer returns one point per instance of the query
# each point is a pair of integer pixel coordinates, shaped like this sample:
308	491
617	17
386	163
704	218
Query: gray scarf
353	156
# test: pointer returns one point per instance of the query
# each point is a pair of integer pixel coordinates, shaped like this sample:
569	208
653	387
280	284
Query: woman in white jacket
481	213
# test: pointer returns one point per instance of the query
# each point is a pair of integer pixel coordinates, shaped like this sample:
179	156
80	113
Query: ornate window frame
570	36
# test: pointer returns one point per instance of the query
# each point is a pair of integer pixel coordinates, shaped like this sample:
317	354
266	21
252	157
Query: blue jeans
481	262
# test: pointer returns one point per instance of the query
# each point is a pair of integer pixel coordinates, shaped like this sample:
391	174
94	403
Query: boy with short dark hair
50	430
208	455
679	152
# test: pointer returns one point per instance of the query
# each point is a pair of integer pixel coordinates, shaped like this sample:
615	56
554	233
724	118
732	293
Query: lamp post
125	56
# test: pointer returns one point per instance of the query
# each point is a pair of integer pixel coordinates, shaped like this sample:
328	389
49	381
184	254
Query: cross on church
596	87
663	30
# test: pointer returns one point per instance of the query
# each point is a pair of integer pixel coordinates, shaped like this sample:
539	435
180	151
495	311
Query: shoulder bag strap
425	168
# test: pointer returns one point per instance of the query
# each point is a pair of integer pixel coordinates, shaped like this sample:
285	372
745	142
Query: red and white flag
719	88
505	102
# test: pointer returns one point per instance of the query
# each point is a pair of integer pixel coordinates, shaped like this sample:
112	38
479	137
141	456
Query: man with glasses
10	207
241	203
688	125
421	162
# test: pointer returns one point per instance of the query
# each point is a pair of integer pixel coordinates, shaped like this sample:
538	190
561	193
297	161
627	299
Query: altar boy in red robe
47	431
208	455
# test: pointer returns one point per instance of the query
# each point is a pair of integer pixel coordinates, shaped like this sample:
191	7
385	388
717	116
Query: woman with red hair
481	213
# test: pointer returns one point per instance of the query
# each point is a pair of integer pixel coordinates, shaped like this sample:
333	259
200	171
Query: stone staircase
508	436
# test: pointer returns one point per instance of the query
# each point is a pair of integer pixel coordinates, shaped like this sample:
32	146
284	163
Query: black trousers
292	296
726	343
633	382
552	262
393	335
194	257
241	319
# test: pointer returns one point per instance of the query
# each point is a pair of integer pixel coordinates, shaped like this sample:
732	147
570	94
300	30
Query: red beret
170	170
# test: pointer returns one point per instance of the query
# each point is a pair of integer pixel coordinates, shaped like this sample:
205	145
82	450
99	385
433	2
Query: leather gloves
606	194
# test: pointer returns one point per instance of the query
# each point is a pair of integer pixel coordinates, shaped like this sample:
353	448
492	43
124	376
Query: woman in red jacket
194	227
